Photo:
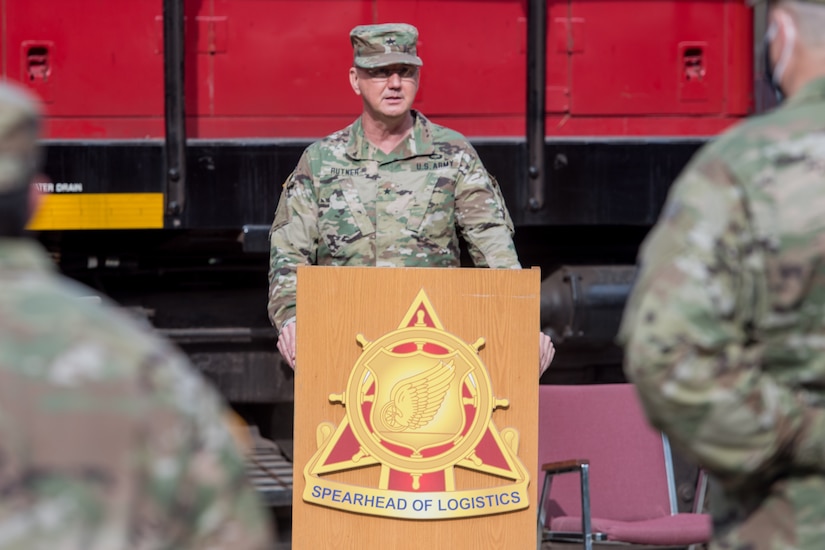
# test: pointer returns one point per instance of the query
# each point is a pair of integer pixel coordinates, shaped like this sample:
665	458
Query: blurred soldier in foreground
108	438
391	190
725	330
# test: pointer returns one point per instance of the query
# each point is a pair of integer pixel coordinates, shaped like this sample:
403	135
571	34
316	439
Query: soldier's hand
286	344
546	352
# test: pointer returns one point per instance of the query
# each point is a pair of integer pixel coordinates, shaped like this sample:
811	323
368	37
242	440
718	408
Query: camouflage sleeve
482	216
687	348
196	492
293	241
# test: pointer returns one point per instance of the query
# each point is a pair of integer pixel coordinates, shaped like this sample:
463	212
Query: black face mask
768	66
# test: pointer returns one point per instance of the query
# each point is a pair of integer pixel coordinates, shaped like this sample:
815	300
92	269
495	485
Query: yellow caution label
99	211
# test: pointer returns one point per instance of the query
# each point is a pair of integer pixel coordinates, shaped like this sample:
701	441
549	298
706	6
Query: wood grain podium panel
337	303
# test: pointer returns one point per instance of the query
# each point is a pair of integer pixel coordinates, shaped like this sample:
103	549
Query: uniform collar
419	142
23	254
812	92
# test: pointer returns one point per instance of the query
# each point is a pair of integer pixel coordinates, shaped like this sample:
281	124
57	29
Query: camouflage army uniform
348	203
108	439
725	329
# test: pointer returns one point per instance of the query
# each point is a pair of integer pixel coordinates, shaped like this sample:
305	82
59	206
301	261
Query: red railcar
277	69
172	124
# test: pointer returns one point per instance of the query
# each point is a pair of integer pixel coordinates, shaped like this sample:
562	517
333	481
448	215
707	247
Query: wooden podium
416	406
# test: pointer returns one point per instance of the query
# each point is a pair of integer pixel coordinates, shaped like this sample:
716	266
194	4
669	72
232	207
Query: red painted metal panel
558	58
284	58
739	57
101	59
474	54
650	57
278	68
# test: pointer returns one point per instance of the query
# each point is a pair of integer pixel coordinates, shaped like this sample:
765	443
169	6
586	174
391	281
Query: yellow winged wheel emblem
415	401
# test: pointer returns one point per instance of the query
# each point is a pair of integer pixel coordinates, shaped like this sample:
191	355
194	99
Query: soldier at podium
392	189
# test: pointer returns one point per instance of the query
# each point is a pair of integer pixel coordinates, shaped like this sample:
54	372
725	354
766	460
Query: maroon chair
625	491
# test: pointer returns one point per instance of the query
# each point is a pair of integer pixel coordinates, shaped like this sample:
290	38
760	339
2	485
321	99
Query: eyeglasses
407	72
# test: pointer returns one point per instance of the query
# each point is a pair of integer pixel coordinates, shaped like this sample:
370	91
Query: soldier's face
387	92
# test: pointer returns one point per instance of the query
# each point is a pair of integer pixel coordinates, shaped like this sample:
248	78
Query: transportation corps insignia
419	404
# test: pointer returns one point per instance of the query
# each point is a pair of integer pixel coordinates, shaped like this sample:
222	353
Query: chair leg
585	493
699	499
701	492
542	516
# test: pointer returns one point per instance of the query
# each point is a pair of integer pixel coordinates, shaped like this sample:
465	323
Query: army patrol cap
382	45
19	129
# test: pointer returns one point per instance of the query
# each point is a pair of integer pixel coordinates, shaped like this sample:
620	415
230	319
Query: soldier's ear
353	80
782	36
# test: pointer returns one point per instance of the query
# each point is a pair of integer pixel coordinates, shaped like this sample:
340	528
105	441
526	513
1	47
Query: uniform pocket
283	213
342	217
433	210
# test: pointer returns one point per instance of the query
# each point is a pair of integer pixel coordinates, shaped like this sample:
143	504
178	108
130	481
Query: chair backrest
630	467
